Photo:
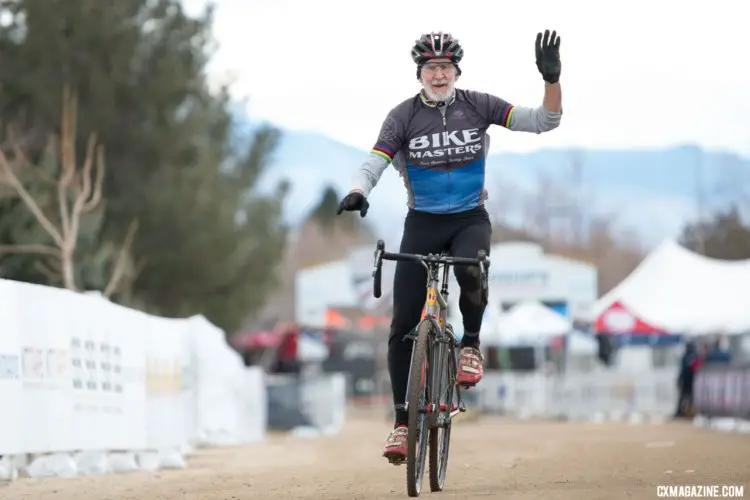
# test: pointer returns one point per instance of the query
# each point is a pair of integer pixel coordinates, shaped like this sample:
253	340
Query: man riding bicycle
437	142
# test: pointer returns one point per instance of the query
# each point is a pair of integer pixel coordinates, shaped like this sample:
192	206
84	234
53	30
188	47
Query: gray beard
439	96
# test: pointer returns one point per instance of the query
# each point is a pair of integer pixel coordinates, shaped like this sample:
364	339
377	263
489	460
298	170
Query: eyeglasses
445	68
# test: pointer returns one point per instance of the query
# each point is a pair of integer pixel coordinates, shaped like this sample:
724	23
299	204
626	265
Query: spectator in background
690	363
700	359
287	361
717	354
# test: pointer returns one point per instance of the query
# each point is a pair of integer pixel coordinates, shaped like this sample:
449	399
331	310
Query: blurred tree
225	240
324	214
207	241
65	202
325	211
724	236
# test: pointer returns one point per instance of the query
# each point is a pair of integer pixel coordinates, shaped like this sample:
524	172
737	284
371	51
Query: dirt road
491	458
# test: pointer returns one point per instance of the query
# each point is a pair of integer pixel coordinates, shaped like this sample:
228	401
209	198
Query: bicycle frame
435	311
436	304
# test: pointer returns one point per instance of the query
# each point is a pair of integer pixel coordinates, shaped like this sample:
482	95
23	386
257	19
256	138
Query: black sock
402	418
470	341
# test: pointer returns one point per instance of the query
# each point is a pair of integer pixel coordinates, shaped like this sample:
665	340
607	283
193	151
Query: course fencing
85	381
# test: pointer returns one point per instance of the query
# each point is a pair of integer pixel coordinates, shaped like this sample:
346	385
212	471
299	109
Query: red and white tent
680	292
619	319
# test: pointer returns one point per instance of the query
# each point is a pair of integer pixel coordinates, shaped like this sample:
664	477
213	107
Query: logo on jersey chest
441	144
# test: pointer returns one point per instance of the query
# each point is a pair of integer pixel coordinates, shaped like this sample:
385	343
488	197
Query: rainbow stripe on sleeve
383	151
506	115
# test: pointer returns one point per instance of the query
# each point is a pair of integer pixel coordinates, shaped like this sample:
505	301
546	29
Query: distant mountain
653	190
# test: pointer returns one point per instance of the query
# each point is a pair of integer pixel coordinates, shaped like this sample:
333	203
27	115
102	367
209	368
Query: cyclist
437	142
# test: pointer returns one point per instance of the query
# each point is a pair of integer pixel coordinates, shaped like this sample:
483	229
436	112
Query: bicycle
435	359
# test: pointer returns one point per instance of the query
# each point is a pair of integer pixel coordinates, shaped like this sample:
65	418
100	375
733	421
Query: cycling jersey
440	150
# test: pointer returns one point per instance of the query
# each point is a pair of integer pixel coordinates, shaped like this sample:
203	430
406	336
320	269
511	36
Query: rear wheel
447	397
419	382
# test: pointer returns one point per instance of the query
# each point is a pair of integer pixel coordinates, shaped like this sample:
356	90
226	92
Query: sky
634	74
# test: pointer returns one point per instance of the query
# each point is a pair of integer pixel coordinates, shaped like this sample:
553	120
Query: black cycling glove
354	201
548	56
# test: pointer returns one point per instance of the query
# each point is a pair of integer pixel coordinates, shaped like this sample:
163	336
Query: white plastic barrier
230	399
618	394
324	401
314	402
520	394
79	373
595	395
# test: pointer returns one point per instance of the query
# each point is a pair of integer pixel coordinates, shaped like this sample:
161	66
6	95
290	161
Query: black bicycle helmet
434	45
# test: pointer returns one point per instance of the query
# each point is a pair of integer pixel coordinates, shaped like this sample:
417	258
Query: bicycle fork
435	361
449	371
413	337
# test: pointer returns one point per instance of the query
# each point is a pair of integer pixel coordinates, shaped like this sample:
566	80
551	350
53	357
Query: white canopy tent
581	344
580	353
683	292
528	323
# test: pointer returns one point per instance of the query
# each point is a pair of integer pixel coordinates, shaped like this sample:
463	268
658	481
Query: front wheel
446	397
420	377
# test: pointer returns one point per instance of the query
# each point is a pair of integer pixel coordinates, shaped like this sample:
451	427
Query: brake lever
378	261
484	283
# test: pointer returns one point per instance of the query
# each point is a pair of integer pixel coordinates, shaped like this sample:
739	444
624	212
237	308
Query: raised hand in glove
354	201
548	56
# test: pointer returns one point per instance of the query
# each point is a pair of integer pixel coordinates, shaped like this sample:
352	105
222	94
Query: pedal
461	406
444	407
412	335
396	460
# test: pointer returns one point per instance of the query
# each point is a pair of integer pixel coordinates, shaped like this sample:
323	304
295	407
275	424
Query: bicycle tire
440	448
418	438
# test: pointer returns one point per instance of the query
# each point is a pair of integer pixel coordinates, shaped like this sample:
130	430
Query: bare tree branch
122	260
67	157
12	179
96	197
77	194
23	160
32	248
84	201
